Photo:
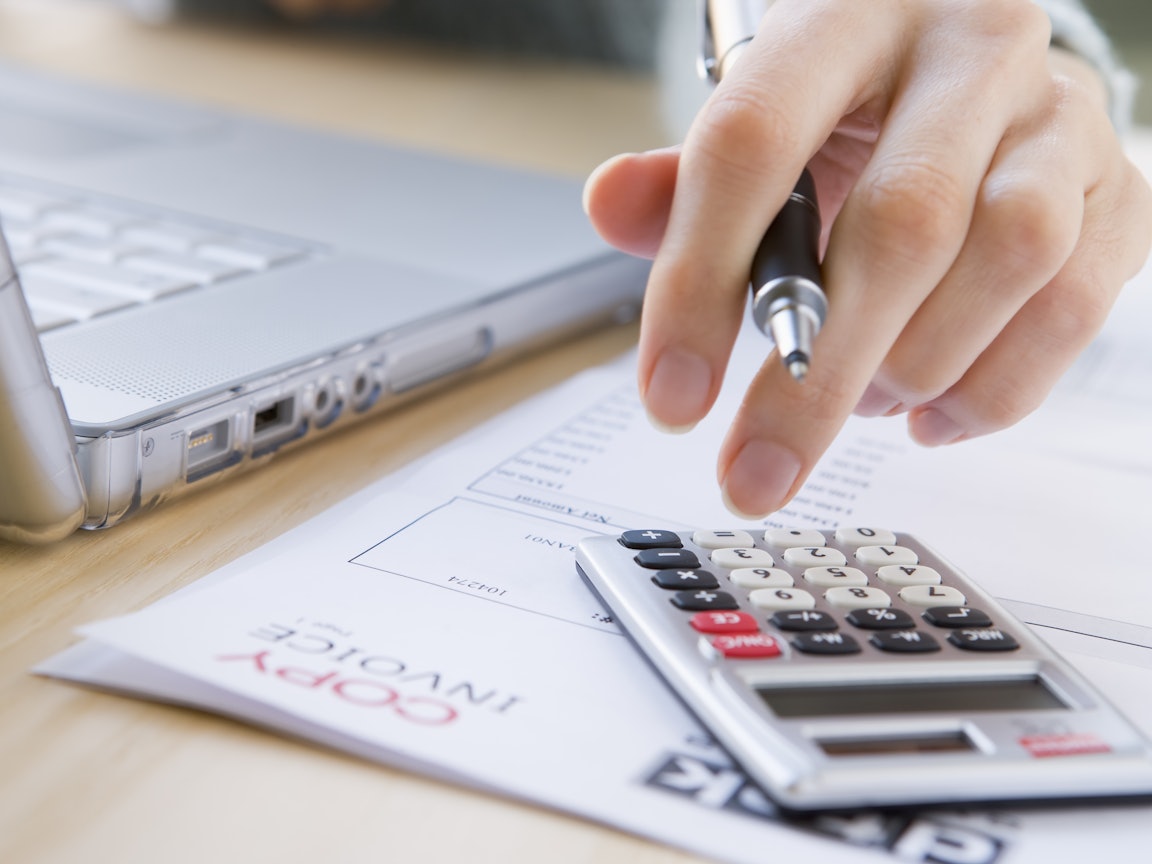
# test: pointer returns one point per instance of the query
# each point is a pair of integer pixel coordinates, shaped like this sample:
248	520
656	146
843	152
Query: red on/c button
724	622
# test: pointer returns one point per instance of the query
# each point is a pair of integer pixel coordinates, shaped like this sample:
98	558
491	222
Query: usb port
274	425
268	420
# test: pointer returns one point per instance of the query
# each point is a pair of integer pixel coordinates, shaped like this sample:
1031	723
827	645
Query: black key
651	539
684	579
802	620
904	641
956	616
983	639
702	600
667	559
825	643
880	619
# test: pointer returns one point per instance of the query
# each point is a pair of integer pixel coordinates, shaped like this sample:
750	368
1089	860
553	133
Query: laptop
193	291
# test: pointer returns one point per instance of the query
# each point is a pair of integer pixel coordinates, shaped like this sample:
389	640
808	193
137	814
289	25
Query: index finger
801	74
897	236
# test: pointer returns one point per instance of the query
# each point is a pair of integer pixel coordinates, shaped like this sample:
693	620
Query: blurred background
1129	23
615	32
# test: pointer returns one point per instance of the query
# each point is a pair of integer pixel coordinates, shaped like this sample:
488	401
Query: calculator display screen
904	745
949	697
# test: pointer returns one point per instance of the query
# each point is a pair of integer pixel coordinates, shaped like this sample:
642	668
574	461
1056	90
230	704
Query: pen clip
726	28
706	59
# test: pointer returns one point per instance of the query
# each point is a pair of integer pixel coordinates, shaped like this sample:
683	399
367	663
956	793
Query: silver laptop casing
418	267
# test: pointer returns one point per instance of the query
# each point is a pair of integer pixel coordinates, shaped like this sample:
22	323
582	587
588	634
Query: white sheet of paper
436	622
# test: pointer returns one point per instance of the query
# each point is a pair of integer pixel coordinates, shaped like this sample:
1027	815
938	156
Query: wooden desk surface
87	777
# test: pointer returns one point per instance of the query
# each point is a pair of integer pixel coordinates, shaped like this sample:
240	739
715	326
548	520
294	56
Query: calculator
859	669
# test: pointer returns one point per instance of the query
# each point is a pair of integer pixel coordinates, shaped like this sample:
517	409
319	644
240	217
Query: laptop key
74	300
117	281
44	318
82	247
169	236
19	233
91	221
80	258
249	253
187	267
26	205
24	255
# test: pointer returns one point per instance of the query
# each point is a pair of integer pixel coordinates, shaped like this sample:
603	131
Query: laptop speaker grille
175	358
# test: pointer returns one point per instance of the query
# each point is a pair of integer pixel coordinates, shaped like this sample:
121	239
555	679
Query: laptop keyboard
79	257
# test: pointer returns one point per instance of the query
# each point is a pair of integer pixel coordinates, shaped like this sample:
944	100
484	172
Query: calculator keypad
684	579
748	596
724	622
701	600
858	668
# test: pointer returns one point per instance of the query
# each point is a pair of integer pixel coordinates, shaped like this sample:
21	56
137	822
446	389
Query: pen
788	301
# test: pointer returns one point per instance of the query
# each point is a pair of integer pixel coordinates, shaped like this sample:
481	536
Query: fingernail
679	390
594	177
932	428
760	478
875	403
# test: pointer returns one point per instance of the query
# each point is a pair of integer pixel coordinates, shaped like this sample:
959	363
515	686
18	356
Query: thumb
628	199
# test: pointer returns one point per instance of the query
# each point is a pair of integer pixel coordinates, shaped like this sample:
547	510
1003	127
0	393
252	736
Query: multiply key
685	579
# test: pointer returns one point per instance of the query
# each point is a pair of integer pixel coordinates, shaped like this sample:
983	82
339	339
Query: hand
980	219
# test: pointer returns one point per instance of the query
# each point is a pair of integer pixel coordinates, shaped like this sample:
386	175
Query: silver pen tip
797	365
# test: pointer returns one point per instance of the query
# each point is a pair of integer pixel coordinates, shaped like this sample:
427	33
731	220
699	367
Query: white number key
740	556
932	595
761	577
878	556
902	575
857	598
814	556
832	577
865	537
781	598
